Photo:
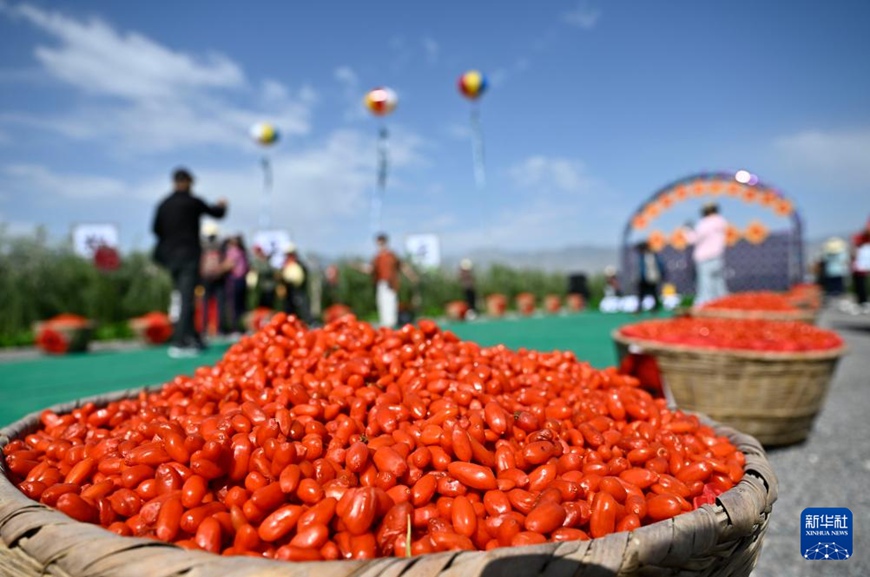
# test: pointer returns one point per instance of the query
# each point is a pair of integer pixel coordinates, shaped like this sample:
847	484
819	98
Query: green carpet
31	385
587	334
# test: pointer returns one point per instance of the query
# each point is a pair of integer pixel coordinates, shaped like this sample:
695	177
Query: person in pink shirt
236	266
708	238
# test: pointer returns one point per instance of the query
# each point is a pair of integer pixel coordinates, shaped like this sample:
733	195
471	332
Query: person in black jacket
176	225
652	273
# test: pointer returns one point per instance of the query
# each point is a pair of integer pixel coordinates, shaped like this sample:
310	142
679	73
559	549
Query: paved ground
831	469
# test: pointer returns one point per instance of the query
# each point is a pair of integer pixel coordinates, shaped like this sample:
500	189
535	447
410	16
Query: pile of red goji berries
352	442
755	301
736	334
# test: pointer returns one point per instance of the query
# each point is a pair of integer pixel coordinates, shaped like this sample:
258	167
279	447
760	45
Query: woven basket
802	315
772	396
716	540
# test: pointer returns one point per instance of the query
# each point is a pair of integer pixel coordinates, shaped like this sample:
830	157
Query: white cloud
841	158
583	16
531	227
346	76
432	49
147	97
36	179
140	67
551	173
457	131
351	93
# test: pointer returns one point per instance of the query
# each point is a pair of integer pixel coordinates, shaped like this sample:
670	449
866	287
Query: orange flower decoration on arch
749	194
716	188
699	188
678	239
639	222
680	193
756	232
734	189
653	210
732	235
657	240
768	198
783	207
666	201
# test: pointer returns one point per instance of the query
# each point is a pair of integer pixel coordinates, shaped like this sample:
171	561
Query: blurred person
835	261
385	270
611	282
266	280
466	281
861	267
213	277
176	225
708	238
235	265
651	273
294	276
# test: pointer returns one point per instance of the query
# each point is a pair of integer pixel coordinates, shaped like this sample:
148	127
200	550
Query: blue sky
592	107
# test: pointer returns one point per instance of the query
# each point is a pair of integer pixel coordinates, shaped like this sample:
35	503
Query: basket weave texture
716	540
802	315
772	396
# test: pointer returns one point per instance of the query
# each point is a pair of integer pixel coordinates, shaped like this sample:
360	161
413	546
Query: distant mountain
579	258
589	259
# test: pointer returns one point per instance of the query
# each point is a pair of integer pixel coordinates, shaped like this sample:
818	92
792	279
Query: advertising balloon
472	84
381	101
264	134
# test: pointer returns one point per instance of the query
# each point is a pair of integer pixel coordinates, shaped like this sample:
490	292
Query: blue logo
826	533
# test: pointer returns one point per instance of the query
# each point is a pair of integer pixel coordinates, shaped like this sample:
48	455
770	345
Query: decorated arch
765	233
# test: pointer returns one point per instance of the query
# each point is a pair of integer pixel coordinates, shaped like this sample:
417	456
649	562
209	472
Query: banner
87	238
424	250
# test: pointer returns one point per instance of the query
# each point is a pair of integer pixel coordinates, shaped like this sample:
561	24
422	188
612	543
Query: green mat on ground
587	334
32	385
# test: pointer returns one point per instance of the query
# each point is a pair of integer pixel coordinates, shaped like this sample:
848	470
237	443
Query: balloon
472	84
264	133
381	101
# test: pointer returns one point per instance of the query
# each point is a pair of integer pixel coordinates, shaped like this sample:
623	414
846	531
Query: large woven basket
772	396
802	315
716	540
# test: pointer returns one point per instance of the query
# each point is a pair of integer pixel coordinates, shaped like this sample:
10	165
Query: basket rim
651	346
799	314
755	494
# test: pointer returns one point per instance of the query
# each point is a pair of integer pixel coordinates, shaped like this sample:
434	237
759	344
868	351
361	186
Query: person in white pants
385	269
388	304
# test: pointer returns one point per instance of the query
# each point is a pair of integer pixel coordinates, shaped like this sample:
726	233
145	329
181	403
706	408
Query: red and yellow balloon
472	84
381	101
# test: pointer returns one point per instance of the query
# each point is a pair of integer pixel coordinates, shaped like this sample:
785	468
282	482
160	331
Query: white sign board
273	243
87	238
424	250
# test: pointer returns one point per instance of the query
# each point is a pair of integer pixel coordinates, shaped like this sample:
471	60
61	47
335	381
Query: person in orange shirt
385	269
